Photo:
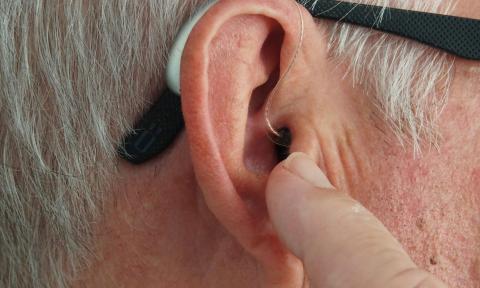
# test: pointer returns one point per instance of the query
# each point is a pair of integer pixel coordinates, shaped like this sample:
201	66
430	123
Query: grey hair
409	82
73	77
75	74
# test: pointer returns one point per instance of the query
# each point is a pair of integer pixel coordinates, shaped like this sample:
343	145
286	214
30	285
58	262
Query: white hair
409	82
74	75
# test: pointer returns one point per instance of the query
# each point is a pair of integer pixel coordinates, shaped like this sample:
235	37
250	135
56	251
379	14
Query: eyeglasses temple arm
456	35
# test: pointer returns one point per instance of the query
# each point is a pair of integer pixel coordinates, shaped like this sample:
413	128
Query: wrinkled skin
170	227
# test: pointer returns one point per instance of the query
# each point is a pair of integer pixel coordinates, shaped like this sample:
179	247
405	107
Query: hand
340	242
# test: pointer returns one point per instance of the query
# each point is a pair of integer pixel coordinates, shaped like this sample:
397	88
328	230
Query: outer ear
230	64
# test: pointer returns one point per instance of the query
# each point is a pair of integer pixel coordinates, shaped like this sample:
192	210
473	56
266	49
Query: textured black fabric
157	130
456	35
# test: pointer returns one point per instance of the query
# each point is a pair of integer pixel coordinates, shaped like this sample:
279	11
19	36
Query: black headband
160	126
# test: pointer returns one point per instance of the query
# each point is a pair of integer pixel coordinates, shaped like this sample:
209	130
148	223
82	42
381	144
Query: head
373	109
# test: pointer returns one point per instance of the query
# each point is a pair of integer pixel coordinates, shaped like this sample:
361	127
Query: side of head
75	80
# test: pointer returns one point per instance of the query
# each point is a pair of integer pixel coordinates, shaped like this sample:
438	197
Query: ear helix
175	57
282	138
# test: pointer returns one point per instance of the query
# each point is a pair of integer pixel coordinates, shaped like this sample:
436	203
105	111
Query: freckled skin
432	203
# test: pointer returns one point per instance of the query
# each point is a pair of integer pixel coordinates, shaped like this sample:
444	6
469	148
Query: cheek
399	199
431	206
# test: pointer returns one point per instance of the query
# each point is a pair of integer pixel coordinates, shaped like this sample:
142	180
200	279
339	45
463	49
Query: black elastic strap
456	35
157	130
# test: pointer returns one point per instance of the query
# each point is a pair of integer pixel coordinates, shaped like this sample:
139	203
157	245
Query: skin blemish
434	260
420	223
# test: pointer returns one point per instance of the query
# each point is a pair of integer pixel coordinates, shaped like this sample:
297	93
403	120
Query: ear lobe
230	64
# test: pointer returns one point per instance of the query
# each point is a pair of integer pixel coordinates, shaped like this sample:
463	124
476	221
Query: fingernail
304	167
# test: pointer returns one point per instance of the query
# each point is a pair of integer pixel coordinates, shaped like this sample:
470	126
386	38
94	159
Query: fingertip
306	168
286	197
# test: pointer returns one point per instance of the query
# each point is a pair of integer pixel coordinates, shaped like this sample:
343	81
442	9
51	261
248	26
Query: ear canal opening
282	143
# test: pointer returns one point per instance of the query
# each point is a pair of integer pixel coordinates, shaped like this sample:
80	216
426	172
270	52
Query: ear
231	63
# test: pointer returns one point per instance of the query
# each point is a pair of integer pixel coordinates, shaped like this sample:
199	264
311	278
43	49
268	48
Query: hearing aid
175	57
282	143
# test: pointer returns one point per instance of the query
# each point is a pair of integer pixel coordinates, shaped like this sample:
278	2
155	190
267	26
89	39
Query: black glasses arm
456	35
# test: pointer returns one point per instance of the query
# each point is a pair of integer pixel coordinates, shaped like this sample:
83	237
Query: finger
340	242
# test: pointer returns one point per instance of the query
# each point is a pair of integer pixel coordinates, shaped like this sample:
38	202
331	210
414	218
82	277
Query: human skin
169	225
339	241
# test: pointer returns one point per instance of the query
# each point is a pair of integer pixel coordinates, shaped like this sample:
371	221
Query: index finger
340	242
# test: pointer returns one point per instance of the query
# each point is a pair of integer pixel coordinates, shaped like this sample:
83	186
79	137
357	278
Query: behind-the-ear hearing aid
175	57
162	123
